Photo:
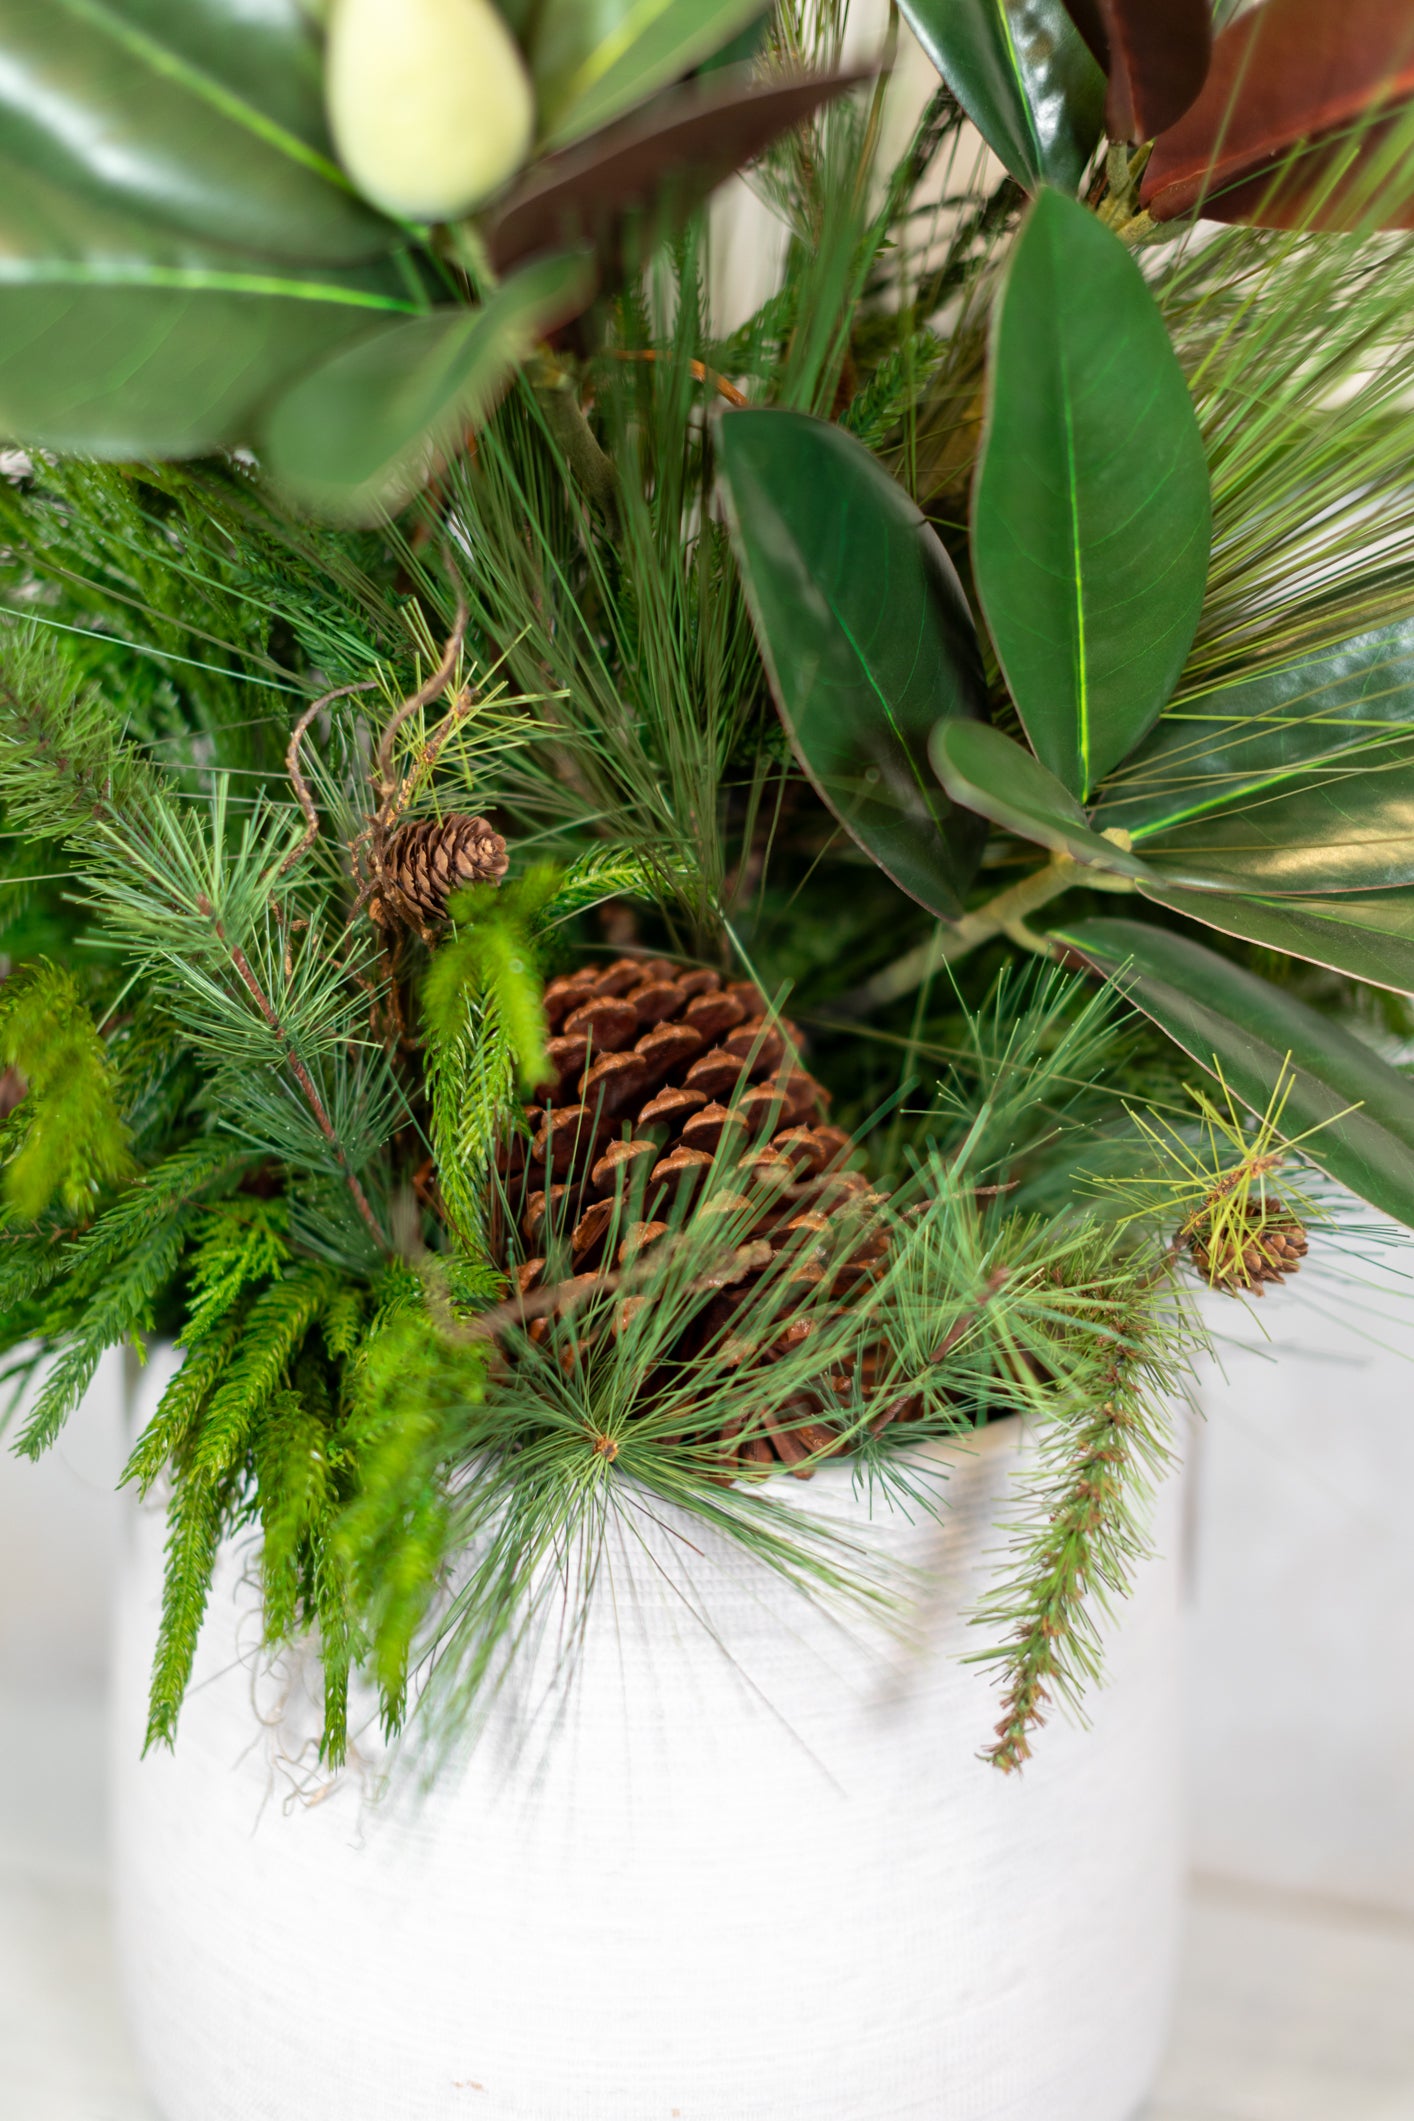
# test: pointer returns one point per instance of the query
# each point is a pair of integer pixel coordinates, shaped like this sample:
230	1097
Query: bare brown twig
423	697
292	767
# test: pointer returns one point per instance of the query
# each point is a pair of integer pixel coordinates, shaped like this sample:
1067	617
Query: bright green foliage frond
163	1443
275	1327
294	1484
613	873
413	1390
115	1274
196	1520
242	1242
485	1031
75	1144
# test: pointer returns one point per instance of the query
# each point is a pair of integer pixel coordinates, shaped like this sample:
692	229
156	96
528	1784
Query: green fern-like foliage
73	1141
261	1120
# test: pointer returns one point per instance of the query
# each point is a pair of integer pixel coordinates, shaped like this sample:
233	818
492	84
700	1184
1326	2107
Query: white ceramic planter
756	1878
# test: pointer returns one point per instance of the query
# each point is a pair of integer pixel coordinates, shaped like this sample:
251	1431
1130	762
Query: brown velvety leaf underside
1156	54
1300	122
689	141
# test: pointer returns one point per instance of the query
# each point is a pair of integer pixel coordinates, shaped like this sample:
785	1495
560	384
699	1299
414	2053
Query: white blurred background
1298	1996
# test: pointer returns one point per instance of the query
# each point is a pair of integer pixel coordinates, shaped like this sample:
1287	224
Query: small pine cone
426	862
1265	1246
666	1080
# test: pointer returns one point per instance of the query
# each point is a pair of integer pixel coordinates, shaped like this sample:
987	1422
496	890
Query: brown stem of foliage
300	784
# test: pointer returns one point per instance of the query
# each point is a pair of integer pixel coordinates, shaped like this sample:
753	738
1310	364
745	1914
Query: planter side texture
756	1874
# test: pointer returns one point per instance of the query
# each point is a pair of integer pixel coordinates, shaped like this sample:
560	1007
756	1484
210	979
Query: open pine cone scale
679	1096
1263	1245
425	862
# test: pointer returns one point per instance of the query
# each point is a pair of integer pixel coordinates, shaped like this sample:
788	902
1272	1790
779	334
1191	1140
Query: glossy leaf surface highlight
1218	1012
364	430
1294	87
118	339
595	59
206	117
1021	71
1156	54
986	772
1370	935
1297	780
1091	513
866	635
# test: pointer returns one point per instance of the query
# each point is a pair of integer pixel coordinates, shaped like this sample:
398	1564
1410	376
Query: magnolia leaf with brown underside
690	140
1304	122
1156	55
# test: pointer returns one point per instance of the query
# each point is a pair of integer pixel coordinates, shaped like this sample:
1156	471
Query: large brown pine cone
424	863
670	1082
1265	1245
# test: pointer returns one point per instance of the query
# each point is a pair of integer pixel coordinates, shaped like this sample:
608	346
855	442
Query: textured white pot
756	1878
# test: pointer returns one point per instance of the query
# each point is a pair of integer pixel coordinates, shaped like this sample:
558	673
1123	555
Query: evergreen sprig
74	1143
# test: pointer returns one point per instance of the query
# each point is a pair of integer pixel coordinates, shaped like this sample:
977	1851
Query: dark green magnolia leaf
1020	70
204	116
1091	513
865	633
361	433
594	59
120	340
1367	934
1225	1017
985	771
690	140
1296	780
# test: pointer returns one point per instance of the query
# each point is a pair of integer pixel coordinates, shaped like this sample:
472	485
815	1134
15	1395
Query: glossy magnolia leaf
1348	831
1293	128
1091	513
361	433
1156	54
690	139
1297	780
1370	935
595	59
986	772
865	633
117	340
1225	1017
1020	70
204	116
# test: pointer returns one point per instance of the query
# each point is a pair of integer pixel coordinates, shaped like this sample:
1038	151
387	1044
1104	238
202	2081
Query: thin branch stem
301	785
1003	915
423	697
297	1069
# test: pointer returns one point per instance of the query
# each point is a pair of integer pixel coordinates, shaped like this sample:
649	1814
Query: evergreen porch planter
776	1882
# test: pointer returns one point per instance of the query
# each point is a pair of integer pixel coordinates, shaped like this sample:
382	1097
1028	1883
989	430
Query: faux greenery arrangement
407	869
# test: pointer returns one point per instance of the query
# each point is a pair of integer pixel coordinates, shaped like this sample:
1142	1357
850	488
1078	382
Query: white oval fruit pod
430	103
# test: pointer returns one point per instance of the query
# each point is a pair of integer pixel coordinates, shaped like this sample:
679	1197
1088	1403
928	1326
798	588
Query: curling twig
292	767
